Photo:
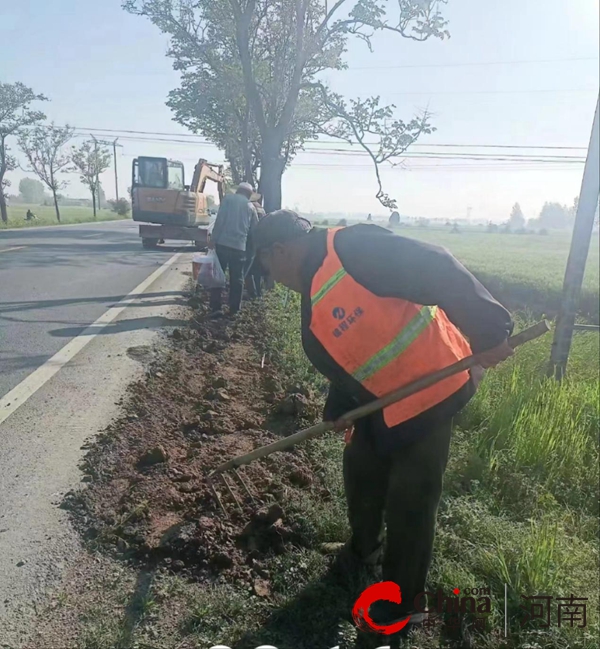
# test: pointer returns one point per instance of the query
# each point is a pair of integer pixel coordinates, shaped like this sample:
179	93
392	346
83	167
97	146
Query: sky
514	73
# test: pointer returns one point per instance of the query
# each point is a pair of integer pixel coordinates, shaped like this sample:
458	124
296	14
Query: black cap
279	227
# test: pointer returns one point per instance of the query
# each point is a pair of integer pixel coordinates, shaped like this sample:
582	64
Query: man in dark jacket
235	217
254	274
392	471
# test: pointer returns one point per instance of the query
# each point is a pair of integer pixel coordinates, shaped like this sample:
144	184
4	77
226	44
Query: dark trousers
234	260
403	490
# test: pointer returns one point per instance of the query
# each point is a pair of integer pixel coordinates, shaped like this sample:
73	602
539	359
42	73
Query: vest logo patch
347	322
339	313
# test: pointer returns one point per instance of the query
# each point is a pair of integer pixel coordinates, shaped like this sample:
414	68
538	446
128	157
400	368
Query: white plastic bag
211	274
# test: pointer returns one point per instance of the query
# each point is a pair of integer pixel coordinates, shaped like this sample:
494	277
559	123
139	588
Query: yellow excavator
166	206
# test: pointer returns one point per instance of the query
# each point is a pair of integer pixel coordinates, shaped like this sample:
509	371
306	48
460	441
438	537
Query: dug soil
212	396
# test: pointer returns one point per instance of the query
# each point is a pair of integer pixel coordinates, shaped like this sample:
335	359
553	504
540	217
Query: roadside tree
554	216
15	114
517	220
43	147
250	76
90	160
121	206
31	191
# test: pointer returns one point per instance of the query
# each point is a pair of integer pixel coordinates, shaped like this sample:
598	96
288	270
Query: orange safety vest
383	342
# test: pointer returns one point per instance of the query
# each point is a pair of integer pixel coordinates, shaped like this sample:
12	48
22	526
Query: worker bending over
380	311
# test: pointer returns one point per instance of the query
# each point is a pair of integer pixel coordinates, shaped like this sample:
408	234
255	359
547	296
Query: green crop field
523	271
526	270
47	216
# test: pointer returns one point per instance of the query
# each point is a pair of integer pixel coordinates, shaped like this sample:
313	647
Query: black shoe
385	613
216	315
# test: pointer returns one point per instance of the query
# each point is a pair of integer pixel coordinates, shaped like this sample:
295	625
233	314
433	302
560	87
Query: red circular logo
386	590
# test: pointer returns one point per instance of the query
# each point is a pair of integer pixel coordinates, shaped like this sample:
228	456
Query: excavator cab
159	193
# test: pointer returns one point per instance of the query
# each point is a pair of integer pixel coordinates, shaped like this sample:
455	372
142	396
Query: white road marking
31	384
13	248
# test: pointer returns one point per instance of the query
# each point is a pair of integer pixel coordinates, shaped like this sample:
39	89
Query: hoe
346	421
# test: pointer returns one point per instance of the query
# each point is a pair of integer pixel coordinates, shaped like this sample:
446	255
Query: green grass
520	500
519	508
47	216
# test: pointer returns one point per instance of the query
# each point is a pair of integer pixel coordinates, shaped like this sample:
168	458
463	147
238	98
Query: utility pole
580	245
115	162
97	178
114	148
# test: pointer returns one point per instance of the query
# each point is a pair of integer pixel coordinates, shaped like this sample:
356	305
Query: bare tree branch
364	120
43	148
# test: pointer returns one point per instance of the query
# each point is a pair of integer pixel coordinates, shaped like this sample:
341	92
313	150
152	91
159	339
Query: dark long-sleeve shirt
392	266
235	217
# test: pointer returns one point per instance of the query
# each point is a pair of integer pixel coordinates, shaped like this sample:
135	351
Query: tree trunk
245	146
56	205
235	172
271	173
248	171
3	209
94	202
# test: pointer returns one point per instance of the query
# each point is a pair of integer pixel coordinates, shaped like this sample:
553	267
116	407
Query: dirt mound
208	398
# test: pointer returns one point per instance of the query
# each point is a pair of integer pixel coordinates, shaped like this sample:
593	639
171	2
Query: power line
473	64
492	92
358	152
514	166
204	141
469	146
167	140
496	159
448	166
503	146
442	155
122	130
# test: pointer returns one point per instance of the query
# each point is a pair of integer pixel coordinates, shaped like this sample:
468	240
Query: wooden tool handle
531	333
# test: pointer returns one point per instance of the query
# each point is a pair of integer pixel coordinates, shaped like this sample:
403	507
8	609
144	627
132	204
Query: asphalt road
69	346
55	281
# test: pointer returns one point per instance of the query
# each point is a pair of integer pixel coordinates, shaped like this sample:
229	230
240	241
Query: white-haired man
229	237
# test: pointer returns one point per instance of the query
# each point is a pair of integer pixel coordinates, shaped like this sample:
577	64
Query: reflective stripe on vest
408	335
384	343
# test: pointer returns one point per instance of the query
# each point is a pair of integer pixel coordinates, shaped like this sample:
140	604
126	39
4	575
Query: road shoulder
45	436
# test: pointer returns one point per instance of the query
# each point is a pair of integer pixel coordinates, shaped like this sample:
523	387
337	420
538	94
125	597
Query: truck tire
148	244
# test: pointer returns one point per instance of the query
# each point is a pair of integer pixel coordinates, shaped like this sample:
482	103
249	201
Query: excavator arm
204	171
